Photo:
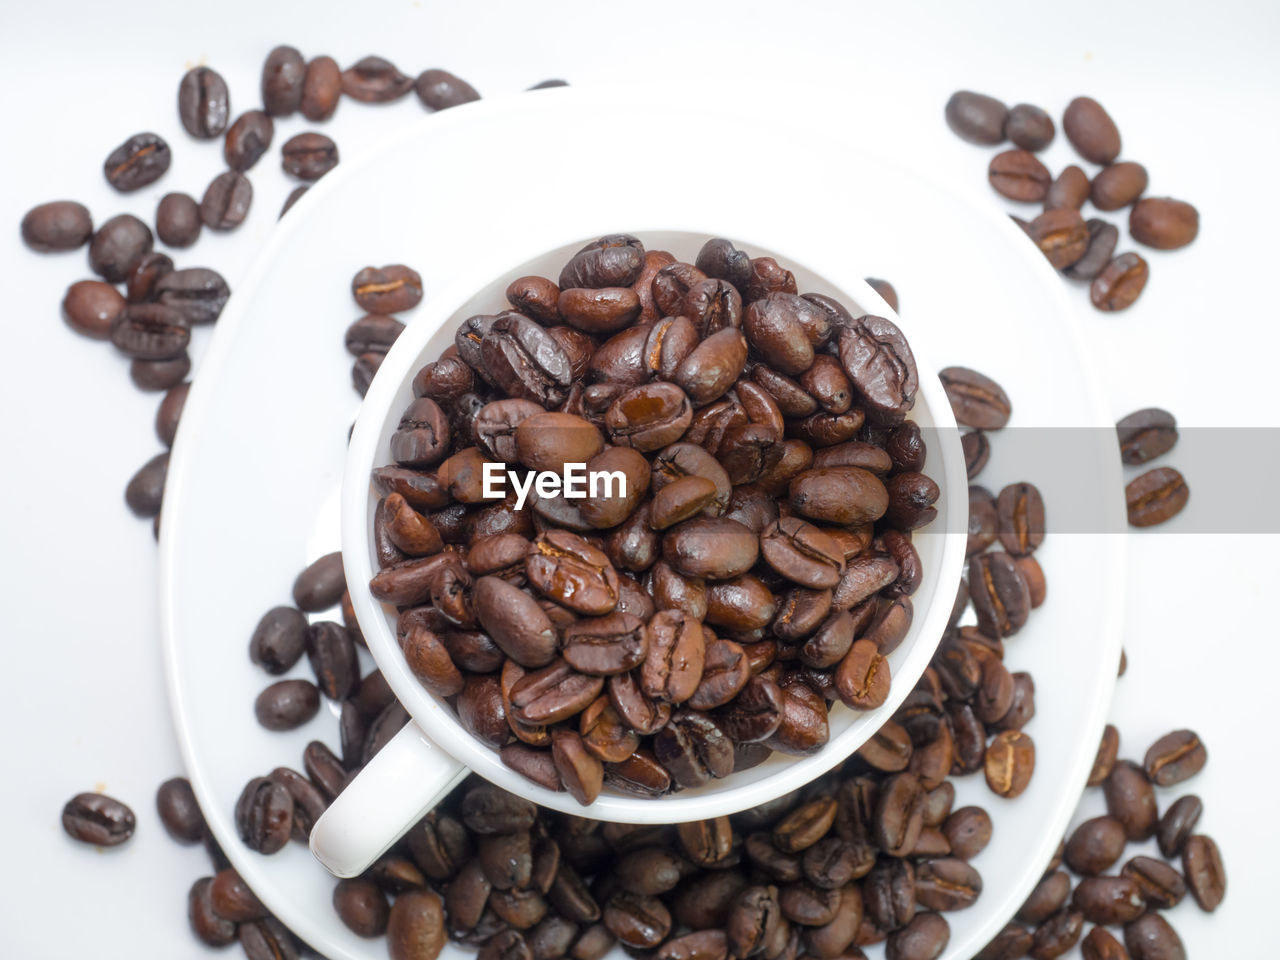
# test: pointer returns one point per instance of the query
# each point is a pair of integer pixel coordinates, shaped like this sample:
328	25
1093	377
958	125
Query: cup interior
940	545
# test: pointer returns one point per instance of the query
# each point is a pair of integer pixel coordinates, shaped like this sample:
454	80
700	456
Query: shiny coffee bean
1159	884
98	819
1175	757
1151	938
976	400
1061	235
1177	825
208	926
264	816
91	307
287	704
1095	845
1206	878
140	160
1010	762
1118	185
203	103
1146	434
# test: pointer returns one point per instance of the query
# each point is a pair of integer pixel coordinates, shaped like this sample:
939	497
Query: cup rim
437	720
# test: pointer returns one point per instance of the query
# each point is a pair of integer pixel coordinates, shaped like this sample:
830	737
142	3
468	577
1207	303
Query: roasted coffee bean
1019	175
57	226
389	289
1029	127
117	246
924	938
197	293
440	89
839	495
1000	595
881	367
209	927
422	438
976	400
1091	130
638	921
287	704
1057	935
1010	762
372	333
179	811
976	117
332	654
694	748
1163	223
968	831
1105	760
146	273
717	549
146	488
1100	945
611	261
309	803
226	201
140	160
1011	943
862	678
324	769
1061	235
1119	283
1146	434
362	907
91	307
1131	800
947	884
802	553
248	139
1159	884
268	939
1206	878
1109	901
712	367
1175	757
375	80
1020	516
1151	938
160	374
178	220
1069	190
416	926
264	815
321	88
1118	185
309	156
98	819
1049	896
1155	497
204	104
320	585
150	331
231	899
1095	845
1177	824
1103	237
283	73
515	621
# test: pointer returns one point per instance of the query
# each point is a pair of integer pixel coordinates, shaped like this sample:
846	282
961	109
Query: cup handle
407	778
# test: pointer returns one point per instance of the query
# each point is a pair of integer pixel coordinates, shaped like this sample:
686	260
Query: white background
1193	87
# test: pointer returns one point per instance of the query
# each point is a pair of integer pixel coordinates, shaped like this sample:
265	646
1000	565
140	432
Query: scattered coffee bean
309	156
247	139
226	201
1120	283
375	80
1091	130
1163	223
204	104
179	811
283	74
1155	497
976	117
98	819
1019	175
1029	127
140	160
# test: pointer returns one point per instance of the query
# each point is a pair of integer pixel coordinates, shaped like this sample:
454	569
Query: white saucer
254	478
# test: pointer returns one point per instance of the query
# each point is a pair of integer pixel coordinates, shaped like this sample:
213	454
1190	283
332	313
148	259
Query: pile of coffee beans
150	320
1081	250
1160	493
1052	920
756	565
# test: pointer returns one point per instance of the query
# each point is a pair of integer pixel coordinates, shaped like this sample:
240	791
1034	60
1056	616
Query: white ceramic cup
433	753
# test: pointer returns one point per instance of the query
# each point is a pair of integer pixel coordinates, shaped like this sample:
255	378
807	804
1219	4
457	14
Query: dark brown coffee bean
1069	190
1010	762
1177	824
179	811
57	226
375	80
1095	845
264	815
1118	185
862	679
976	117
150	331
416	926
1000	595
881	367
1163	223
1120	283
1019	175
947	884
1061	235
146	273
178	220
924	938
1206	878
332	654
515	621
1100	945
694	749
1105	760
1011	943
226	201
231	898
1131	800
362	907
91	307
1161	886
977	400
440	89
1091	130
1151	938
321	89
199	294
247	139
1020	515
204	104
140	160
324	769
1109	901
637	921
1175	757
117	246
1155	497
389	289
320	585
146	488
1146	434
268	939
287	704
309	156
209	927
1029	127
1049	896
1103	237
98	819
283	73
1057	935
968	831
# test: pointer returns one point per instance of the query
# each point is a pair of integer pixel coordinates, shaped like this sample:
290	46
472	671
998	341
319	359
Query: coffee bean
1100	945
1029	127
1057	935
1010	762
332	654
160	374
140	160
1061	235
178	220
1069	190
977	400
91	307
231	899
198	293
1109	901
1020	515
1091	130
440	89
968	831
98	819
881	367
1103	237
1011	943
390	289
1175	757
179	811
1155	497
1206	878
226	201
1000	595
1151	938
1146	434
209	928
1118	185
1095	845
247	139
1049	896
56	226
976	117
321	89
1105	760
287	704
375	80
1161	886
264	815
204	105
1163	223
117	246
146	488
320	585
1019	175
362	907
1177	824
309	156
1120	283
924	938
